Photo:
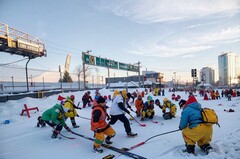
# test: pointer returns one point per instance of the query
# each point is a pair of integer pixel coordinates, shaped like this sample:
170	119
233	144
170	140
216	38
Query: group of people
59	113
146	109
191	123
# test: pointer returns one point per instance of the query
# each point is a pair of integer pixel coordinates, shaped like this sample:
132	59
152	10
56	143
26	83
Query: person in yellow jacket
71	113
169	109
99	124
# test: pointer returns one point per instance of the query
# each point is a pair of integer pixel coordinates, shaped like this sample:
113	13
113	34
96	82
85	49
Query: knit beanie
181	103
100	100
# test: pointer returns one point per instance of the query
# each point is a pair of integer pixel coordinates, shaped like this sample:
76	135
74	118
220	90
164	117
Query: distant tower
207	75
229	68
68	61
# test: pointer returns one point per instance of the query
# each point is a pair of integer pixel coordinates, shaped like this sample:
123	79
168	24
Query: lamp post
12	83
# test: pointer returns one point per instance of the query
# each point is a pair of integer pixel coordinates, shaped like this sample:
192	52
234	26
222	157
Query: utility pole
84	69
139	83
108	77
43	83
61	80
79	81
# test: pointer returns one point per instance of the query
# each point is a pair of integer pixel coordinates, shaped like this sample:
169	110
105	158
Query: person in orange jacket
139	105
99	124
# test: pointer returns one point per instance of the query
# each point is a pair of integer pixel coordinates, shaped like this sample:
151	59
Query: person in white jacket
118	110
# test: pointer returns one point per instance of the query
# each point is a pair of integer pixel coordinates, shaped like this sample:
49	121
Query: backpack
209	116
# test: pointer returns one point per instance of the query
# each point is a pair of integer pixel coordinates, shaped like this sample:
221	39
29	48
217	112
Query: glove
98	130
79	108
108	118
67	128
164	111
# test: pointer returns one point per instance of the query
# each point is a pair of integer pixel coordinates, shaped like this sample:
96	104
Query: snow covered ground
21	139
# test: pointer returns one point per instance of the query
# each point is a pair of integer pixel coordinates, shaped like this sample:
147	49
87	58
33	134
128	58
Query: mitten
98	130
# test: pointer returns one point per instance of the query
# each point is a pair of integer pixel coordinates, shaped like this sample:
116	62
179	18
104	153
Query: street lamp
12	83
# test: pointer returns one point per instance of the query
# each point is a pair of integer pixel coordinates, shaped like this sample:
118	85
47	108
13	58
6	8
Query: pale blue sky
164	35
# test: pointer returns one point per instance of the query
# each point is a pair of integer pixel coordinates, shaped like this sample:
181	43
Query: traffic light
194	72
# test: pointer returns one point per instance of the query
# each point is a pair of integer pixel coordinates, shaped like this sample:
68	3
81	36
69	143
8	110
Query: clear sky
164	35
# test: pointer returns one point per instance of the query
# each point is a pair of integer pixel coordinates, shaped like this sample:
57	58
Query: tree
66	77
79	70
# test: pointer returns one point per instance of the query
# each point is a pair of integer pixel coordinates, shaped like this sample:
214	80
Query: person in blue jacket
193	128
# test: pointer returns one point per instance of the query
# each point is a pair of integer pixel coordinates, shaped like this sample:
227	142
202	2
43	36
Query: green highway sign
113	64
86	58
133	68
123	66
103	62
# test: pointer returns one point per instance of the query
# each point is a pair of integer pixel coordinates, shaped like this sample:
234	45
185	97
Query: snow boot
206	148
55	134
190	149
97	149
131	134
76	126
107	140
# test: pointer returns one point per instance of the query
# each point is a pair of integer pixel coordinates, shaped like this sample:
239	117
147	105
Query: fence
13	80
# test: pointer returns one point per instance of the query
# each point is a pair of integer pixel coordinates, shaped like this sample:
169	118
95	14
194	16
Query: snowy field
21	139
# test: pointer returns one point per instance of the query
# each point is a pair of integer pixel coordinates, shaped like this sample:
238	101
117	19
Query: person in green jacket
54	117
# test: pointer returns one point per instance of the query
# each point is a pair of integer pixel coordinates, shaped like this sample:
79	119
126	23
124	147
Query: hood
190	100
195	105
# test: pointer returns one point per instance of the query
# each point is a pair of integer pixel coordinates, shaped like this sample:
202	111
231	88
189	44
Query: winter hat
181	103
157	101
101	100
190	100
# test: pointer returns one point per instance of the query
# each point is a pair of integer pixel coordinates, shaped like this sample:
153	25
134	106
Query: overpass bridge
17	42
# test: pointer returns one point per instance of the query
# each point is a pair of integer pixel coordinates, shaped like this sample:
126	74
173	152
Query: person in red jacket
87	99
99	124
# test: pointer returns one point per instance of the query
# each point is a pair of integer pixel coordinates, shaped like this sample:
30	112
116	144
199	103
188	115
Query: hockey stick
66	136
137	121
83	117
141	143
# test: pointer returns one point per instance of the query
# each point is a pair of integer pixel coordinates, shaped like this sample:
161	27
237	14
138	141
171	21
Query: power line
13	62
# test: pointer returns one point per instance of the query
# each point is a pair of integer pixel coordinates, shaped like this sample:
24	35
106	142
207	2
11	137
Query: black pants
58	128
123	119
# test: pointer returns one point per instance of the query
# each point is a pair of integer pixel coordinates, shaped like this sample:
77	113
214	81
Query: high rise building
229	68
207	75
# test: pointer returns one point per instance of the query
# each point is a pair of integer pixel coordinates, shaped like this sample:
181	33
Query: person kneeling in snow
148	110
193	130
54	117
99	125
168	109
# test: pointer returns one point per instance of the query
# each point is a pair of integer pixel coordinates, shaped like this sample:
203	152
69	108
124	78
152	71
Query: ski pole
141	143
137	121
